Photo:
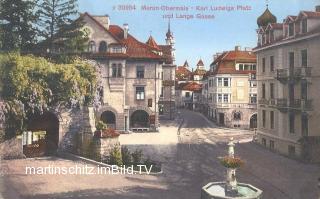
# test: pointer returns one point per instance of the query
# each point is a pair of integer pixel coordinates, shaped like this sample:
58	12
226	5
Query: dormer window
304	25
291	29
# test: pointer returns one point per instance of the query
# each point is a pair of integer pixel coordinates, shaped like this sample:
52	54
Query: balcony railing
282	103
296	104
263	102
295	73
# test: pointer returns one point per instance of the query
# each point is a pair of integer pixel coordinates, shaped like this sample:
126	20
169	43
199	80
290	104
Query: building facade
231	91
288	83
133	73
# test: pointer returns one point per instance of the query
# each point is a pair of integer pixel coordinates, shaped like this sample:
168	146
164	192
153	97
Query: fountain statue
230	189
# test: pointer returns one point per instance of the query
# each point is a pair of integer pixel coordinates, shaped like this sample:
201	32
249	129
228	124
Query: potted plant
101	126
231	162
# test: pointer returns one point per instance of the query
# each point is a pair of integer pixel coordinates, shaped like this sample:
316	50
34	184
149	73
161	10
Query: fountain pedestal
230	189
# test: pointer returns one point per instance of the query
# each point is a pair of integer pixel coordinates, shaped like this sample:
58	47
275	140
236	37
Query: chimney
237	48
125	30
107	22
318	8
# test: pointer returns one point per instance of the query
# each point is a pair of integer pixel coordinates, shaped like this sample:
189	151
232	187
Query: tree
17	18
59	29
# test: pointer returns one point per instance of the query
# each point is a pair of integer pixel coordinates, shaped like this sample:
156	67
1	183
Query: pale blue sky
197	38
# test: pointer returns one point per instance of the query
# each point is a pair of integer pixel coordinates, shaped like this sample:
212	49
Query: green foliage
101	126
126	155
17	20
137	156
115	156
59	30
33	84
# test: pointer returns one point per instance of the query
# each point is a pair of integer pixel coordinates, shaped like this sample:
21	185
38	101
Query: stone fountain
230	189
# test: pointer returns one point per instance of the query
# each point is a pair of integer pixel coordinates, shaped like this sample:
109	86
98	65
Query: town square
159	99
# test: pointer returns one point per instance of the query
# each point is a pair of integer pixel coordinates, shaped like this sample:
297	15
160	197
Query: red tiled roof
135	48
182	73
311	14
226	62
192	86
151	42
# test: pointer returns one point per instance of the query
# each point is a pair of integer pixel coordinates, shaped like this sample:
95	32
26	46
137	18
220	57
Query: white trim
287	42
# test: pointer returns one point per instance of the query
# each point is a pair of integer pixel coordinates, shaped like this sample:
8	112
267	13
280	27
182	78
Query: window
92	46
304	58
263	65
291	29
246	67
187	94
263	91
103	46
161	94
304	125
237	116
291	122
226	82
140	93
240	66
263	118
271	90
225	98
140	71
272	63
220	98
116	70
149	102
253	98
304	25
253	67
219	82
271	119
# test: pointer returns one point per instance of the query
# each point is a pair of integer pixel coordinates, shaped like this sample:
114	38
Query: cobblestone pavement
189	162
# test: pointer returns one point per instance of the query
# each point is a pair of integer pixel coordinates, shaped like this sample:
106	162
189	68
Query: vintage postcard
159	99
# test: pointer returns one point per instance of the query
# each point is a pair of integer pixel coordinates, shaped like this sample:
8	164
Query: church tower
170	41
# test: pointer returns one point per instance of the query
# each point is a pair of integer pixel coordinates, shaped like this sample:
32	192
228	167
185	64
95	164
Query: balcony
282	104
295	105
263	102
283	75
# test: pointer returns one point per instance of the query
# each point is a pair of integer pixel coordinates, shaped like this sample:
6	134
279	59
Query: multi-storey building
138	78
288	83
231	89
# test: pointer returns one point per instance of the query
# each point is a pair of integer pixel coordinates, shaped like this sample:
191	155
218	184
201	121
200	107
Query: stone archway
44	138
139	119
253	121
109	118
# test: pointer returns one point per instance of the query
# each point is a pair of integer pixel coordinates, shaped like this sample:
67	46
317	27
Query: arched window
92	46
103	46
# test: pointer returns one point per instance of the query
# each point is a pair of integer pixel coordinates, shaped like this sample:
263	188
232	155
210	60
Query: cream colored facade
231	90
289	83
133	75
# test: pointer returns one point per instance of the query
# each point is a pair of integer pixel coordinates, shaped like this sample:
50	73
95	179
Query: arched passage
109	118
253	121
139	119
44	138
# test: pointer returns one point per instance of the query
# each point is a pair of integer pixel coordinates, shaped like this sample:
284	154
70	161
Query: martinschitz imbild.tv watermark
89	170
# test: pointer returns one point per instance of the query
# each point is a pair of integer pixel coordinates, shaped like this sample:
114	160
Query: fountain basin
216	190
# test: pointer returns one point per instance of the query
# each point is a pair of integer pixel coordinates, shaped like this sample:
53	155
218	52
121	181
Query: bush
126	156
137	156
115	157
101	126
230	162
